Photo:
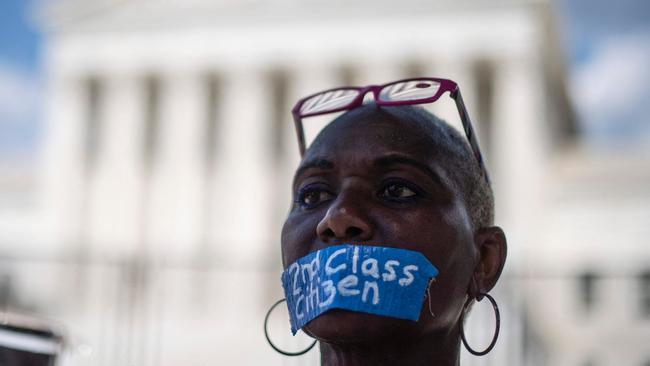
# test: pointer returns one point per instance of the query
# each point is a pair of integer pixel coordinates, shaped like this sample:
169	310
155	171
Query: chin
347	327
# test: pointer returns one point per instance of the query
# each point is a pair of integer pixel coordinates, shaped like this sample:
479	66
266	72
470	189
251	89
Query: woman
389	179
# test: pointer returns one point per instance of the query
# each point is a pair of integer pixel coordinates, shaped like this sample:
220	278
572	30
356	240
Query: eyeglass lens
409	90
329	101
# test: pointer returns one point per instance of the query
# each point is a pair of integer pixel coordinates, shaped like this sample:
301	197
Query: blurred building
170	149
588	283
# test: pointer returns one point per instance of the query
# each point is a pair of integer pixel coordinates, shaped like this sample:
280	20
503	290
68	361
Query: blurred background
147	149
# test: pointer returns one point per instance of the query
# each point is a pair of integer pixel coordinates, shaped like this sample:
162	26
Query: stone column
458	69
241	194
63	163
175	188
517	173
519	142
378	69
115	216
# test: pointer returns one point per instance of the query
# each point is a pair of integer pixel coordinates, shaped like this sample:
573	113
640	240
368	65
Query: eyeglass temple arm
469	130
299	132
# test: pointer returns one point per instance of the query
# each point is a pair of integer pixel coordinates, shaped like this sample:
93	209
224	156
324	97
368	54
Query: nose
345	220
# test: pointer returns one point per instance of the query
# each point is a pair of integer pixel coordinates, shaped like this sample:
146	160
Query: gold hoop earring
268	339
496	330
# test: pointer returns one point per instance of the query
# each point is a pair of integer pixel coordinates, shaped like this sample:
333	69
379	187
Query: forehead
371	135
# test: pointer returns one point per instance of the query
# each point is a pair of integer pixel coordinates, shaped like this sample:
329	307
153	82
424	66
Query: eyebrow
382	162
317	163
397	159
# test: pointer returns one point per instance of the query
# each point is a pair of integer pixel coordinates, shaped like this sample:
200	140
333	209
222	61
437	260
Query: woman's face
377	181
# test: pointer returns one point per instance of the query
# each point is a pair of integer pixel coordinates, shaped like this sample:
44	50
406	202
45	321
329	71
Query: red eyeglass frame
446	85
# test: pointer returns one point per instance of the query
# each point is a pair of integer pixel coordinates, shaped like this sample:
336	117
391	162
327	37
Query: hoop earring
496	330
268	339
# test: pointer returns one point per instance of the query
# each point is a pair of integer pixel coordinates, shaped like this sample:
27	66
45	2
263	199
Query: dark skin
375	180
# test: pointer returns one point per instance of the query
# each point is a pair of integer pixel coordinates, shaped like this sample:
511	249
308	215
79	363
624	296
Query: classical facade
169	153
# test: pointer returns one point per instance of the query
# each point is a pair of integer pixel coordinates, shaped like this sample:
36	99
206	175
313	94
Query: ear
491	250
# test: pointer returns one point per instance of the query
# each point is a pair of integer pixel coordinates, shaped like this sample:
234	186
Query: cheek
454	249
454	257
298	236
451	235
444	235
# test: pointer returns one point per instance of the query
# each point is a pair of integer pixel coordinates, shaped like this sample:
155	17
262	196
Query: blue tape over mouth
369	279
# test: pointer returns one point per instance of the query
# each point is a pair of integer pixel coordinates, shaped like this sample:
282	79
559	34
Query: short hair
455	152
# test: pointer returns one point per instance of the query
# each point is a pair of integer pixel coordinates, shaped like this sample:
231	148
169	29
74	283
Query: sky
20	81
607	45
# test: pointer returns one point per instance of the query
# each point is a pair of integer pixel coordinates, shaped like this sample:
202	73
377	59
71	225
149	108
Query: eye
399	191
313	195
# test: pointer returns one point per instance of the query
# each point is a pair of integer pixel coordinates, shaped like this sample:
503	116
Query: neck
433	350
